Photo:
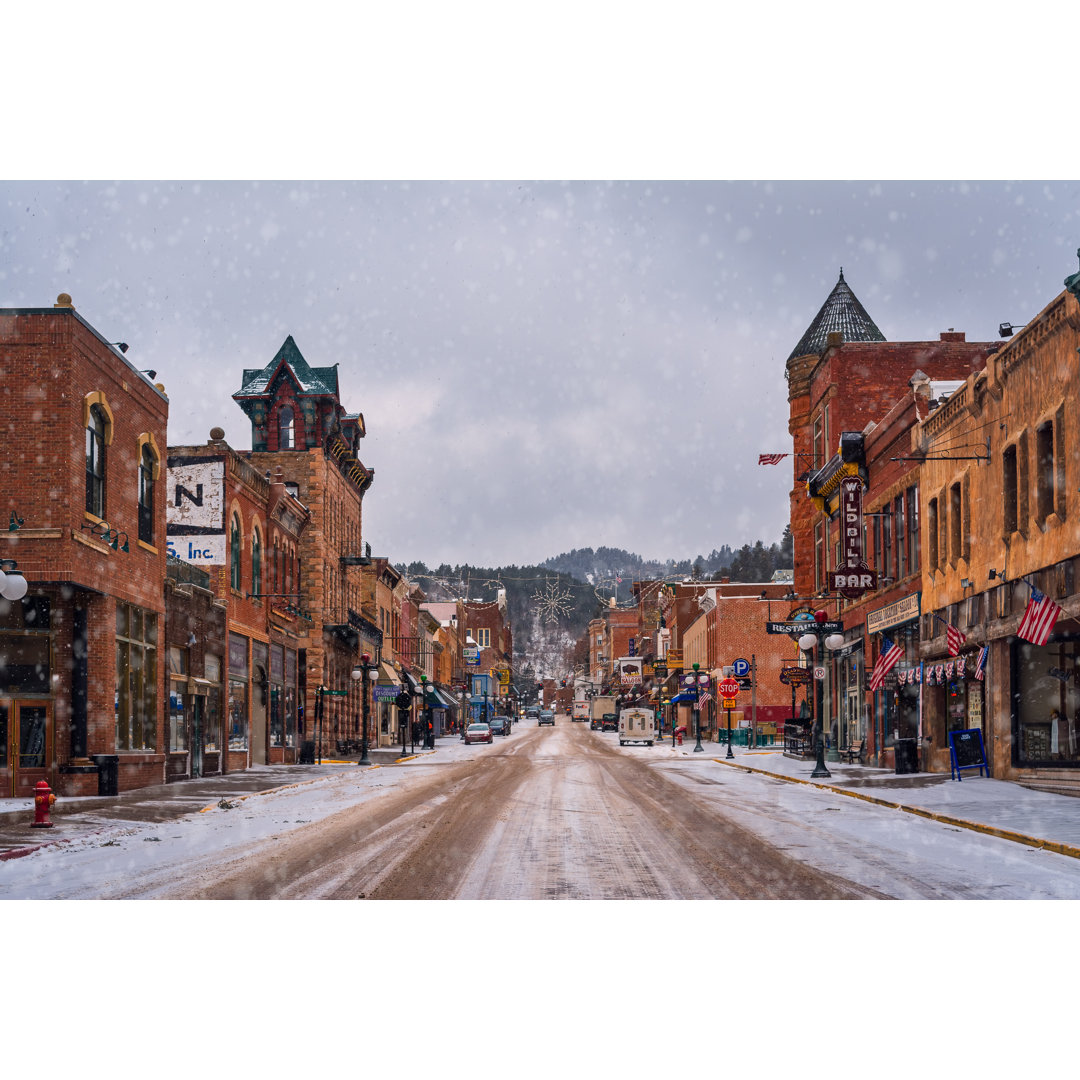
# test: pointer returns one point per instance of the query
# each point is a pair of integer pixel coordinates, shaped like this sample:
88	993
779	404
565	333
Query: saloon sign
853	577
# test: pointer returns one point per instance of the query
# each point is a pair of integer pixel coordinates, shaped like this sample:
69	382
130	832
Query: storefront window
177	728
238	715
136	678
24	645
1046	703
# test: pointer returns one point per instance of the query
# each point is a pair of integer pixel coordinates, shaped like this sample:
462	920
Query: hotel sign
903	611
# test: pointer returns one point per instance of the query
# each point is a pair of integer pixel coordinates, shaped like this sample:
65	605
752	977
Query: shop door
25	732
196	741
258	717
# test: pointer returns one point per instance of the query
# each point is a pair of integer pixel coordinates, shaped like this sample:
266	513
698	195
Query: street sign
729	688
728	702
335	693
819	674
741	668
795	629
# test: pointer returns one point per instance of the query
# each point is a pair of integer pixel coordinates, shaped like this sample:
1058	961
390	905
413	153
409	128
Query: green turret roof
309	380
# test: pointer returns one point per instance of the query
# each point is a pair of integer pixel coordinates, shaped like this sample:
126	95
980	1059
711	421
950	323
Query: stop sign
729	687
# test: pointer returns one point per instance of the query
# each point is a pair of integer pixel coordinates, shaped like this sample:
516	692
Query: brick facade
58	375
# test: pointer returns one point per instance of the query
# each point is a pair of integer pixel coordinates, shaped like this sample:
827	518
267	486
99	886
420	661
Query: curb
945	819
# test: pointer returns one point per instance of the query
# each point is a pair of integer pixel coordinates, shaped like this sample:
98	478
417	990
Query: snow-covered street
545	813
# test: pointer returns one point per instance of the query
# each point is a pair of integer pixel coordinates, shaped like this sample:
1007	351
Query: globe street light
367	674
820	635
697	681
12	584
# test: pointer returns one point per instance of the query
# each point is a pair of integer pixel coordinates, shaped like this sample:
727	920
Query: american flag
705	696
980	664
954	639
770	459
889	657
1039	617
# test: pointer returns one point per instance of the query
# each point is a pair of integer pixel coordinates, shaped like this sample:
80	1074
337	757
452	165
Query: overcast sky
541	365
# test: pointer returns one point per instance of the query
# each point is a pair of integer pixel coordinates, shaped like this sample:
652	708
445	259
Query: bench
854	752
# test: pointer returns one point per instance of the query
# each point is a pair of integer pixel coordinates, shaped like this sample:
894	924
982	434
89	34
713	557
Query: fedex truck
580	710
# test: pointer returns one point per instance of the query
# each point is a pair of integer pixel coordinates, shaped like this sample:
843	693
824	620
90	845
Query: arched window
286	429
256	563
234	553
146	495
95	461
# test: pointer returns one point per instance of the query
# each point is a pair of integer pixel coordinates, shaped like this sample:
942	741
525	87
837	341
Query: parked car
478	733
500	725
546	717
609	722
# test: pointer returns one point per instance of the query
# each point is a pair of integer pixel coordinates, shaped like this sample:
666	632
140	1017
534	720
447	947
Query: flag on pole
770	459
705	697
954	639
980	664
890	655
1039	617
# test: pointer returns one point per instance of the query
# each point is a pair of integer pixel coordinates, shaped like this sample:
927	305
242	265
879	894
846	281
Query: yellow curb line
945	819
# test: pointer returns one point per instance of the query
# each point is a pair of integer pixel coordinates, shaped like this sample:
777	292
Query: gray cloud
541	366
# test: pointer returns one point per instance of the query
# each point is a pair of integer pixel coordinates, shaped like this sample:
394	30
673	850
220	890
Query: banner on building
195	510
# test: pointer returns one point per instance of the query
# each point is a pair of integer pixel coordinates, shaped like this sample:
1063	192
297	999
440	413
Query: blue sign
631	652
741	668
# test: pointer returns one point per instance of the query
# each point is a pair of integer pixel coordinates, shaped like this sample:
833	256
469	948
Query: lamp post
820	635
697	681
427	692
367	673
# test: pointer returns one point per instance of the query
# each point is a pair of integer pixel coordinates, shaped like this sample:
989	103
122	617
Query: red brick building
82	702
845	380
245	529
299	426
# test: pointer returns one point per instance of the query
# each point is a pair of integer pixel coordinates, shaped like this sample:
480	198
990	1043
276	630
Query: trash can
307	752
108	782
907	756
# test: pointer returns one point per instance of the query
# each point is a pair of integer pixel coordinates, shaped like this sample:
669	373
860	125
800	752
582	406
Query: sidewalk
76	817
997	807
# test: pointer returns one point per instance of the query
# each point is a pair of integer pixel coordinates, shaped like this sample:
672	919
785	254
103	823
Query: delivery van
637	725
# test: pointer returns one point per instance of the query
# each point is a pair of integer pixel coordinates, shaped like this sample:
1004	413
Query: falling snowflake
553	602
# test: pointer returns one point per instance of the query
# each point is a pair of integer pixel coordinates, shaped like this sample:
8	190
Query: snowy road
561	813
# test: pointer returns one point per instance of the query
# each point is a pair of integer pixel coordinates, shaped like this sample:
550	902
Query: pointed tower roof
309	380
841	313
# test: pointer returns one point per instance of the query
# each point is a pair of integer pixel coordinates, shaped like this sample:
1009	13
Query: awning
447	700
683	699
413	684
387	675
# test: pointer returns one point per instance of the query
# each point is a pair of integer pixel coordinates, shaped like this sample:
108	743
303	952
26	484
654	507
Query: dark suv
546	717
500	725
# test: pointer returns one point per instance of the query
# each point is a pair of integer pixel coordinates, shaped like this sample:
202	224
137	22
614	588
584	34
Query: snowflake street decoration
553	602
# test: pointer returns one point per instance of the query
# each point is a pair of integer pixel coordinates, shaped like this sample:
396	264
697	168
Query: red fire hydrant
43	800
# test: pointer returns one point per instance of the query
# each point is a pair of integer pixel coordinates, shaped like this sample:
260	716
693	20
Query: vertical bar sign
852	517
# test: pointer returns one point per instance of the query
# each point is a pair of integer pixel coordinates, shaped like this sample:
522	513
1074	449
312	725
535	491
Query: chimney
953	335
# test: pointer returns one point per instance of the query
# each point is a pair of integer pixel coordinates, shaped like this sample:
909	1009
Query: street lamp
697	681
427	694
363	671
820	634
12	584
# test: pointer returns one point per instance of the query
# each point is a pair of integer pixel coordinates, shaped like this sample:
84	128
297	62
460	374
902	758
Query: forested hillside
550	604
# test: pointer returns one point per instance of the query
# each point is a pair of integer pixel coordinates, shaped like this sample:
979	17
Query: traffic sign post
729	690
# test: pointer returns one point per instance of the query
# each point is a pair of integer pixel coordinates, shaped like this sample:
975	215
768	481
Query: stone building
1001	521
82	701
